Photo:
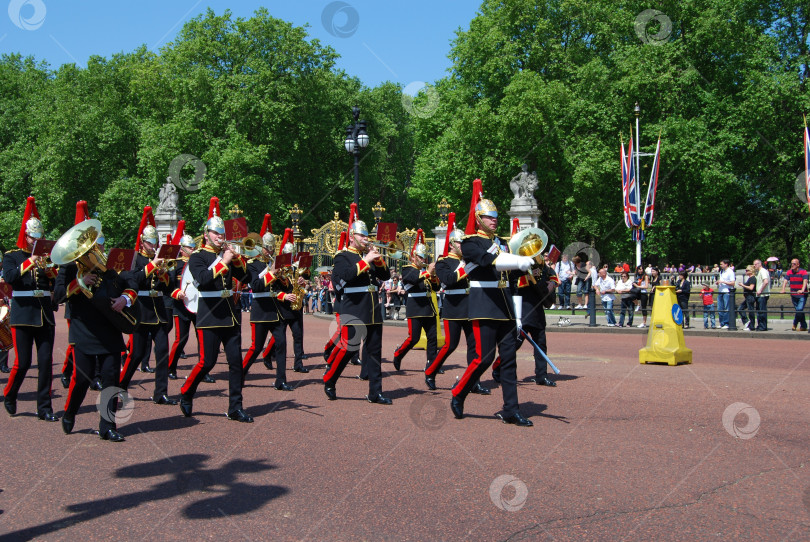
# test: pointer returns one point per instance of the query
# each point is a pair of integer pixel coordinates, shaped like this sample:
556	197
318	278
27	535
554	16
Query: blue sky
378	40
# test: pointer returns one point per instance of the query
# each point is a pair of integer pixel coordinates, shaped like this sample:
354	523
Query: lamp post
356	139
444	212
378	210
295	218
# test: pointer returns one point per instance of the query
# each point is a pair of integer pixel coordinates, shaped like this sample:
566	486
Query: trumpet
251	244
393	250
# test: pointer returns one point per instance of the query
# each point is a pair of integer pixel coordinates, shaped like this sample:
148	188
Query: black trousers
85	365
415	327
25	337
452	337
348	345
296	326
258	334
141	346
488	334
210	340
181	331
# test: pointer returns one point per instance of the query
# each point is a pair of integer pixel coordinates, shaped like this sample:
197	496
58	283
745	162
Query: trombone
393	250
250	244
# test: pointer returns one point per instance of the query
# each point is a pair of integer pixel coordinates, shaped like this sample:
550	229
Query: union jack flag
649	208
632	195
625	210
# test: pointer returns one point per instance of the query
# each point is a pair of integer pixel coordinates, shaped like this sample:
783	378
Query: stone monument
167	213
524	205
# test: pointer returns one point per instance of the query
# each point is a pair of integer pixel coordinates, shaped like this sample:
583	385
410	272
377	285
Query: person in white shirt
565	272
725	283
763	292
605	286
623	288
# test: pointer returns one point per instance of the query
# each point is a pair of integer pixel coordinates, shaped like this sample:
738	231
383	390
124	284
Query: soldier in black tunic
455	310
491	309
32	319
152	280
354	274
214	268
293	319
183	318
420	281
96	340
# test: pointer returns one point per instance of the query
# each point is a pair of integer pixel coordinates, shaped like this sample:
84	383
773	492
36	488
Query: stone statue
524	184
168	198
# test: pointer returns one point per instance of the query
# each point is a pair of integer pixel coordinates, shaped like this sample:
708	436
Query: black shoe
112	435
185	407
480	390
96	385
457	406
355	361
67	425
397	363
496	376
208	380
144	369
172	376
183	355
300	370
431	382
4	368
65	381
544	381
331	394
240	416
282	386
164	400
48	417
441	371
326	353
380	399
11	406
361	377
269	364
516	419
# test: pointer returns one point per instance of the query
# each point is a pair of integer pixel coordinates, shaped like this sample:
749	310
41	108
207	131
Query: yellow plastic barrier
665	342
422	343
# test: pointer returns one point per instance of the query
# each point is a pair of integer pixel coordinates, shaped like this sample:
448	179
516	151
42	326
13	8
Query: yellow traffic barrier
422	343
665	342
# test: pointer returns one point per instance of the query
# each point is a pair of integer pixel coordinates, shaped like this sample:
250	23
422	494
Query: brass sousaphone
78	244
529	242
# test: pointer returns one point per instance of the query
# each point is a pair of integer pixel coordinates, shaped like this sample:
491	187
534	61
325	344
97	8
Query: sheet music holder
236	229
387	232
42	247
304	260
553	254
121	259
283	260
169	252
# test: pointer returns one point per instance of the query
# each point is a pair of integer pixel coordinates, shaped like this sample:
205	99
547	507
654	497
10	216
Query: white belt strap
218	293
264	294
359	289
30	293
417	294
457	291
483	284
149	293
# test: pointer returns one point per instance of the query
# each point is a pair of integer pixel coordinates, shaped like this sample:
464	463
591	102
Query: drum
6	340
190	290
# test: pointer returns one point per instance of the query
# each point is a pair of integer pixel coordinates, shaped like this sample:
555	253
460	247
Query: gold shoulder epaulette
13	250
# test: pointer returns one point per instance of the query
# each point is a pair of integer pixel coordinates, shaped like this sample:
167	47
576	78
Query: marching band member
32	319
455	311
183	318
214	268
152	280
96	340
354	273
4	302
491	308
420	280
294	319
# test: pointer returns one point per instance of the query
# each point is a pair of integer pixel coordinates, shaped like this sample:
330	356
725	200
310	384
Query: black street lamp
356	139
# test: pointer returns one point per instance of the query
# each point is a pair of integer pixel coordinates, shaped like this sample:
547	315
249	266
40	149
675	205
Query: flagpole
638	181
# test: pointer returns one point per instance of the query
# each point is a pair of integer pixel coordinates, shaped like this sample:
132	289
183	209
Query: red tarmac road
618	451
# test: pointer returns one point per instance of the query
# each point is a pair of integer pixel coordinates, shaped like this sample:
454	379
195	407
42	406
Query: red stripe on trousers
128	361
471	368
176	342
68	352
408	340
337	353
444	352
14	368
270	346
252	345
197	368
70	387
496	363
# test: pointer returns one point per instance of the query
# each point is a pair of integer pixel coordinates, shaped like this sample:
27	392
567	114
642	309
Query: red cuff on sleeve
280	296
362	266
26	266
239	261
131	294
149	269
220	269
523	281
73	287
461	273
51	272
175	293
268	278
424	275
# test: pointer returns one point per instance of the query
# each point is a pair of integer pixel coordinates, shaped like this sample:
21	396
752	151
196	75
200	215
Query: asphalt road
618	451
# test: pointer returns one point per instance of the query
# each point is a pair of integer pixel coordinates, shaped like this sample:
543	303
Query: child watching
706	294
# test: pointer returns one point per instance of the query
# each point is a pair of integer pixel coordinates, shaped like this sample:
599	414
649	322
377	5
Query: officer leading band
492	295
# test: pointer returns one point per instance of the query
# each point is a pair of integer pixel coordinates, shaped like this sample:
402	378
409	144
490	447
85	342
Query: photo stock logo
508	493
115	405
800	186
652	19
176	168
340	19
428	412
353	343
741	420
27	14
427	105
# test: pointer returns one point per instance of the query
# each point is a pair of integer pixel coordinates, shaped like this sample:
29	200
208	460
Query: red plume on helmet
213	207
267	226
146	220
30	211
420	238
451	223
342	243
352	218
477	192
515	225
82	213
168	238
288	238
178	233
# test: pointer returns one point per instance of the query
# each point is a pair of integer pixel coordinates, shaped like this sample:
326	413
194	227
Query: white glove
508	262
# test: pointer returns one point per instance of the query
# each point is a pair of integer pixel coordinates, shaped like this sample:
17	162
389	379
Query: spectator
655	280
763	292
626	268
796	277
397	294
618	268
725	284
717	268
749	284
707	296
682	290
580	276
605	286
641	286
624	287
565	272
